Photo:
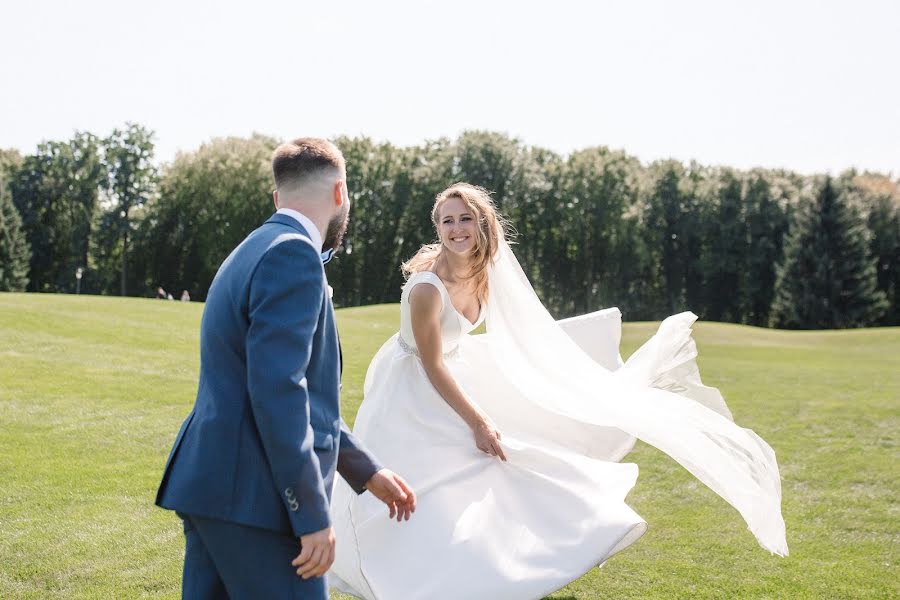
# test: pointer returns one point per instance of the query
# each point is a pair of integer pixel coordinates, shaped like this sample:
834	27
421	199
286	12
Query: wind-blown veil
550	369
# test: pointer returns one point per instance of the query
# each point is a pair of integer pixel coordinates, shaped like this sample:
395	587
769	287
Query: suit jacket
264	439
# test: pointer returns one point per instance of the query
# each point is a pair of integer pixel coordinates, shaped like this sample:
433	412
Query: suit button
289	492
294	506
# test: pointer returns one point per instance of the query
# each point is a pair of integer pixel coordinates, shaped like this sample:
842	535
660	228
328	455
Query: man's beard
337	227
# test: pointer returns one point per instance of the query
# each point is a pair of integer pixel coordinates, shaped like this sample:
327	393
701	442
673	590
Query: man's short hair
296	162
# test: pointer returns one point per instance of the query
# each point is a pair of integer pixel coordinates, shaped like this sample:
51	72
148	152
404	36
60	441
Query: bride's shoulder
423	277
428	293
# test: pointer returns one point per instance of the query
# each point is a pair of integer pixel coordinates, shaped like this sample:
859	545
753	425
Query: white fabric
697	431
314	234
598	334
524	528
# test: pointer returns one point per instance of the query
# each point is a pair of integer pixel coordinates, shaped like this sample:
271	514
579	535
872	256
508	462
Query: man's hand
316	553
391	489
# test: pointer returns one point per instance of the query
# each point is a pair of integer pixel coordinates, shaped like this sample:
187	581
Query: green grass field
93	390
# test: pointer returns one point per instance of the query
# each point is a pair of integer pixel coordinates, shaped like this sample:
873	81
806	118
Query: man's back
268	381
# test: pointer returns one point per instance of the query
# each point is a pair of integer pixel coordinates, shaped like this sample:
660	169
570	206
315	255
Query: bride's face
457	226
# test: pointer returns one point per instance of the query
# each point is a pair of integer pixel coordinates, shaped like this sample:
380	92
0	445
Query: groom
252	468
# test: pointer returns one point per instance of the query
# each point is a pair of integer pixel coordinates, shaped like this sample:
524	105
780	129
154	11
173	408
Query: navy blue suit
255	459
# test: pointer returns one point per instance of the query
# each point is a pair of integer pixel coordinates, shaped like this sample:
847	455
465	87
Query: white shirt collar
314	234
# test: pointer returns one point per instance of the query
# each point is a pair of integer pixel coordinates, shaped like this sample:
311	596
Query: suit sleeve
355	464
286	297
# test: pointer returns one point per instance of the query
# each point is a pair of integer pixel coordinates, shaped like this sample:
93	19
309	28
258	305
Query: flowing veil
550	370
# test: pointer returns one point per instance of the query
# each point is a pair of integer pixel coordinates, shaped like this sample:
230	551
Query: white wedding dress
524	528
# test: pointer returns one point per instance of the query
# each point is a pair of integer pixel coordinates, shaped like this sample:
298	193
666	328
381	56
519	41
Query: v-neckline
453	306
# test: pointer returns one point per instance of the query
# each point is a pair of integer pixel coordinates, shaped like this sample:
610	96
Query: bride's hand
487	438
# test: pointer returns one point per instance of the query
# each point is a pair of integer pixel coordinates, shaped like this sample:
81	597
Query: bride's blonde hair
492	229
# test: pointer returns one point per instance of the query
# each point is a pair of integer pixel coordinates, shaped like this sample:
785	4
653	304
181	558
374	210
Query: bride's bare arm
425	312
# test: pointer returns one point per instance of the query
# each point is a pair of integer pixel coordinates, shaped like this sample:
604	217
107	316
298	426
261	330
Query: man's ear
275	198
337	192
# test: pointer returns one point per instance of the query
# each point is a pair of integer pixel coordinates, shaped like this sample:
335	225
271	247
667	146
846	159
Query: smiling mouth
459	239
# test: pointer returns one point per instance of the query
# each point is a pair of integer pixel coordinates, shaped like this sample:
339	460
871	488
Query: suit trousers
225	560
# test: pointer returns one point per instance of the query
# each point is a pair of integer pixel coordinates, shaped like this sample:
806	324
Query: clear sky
811	86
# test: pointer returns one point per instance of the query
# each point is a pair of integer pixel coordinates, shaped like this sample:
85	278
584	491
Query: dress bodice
453	324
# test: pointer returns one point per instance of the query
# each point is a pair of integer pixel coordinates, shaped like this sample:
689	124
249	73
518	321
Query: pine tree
726	258
826	279
884	224
664	228
767	225
880	198
15	254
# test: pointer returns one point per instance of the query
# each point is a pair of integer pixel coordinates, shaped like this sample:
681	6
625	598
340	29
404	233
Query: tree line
596	228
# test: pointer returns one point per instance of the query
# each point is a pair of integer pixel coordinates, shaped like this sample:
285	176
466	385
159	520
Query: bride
512	439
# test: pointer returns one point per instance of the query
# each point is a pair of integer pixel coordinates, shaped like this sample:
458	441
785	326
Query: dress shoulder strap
426	277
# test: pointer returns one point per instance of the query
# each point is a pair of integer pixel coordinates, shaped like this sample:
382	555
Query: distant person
185	297
252	469
170	297
161	293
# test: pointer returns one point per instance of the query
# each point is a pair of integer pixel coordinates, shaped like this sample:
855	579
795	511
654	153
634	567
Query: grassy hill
93	390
